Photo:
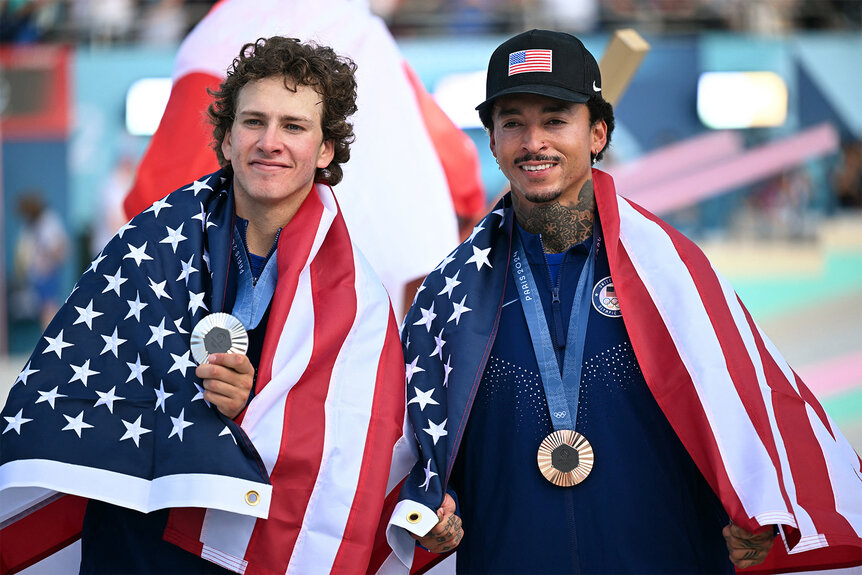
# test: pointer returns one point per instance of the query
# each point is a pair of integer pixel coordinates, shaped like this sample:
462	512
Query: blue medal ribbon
561	390
252	298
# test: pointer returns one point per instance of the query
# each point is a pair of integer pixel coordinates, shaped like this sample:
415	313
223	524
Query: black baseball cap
543	62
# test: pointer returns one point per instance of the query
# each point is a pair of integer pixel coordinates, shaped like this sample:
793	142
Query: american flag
529	61
108	405
754	429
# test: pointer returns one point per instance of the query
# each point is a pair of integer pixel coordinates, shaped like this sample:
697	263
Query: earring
593	157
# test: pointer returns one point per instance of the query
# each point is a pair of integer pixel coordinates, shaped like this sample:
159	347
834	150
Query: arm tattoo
561	225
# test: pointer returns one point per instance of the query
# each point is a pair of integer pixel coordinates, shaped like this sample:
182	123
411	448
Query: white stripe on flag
18	502
144	495
348	410
799	518
841	460
677	300
844	478
235	564
264	418
330	210
225	537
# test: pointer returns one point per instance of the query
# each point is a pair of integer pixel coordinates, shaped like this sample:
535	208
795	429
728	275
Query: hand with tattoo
747	549
447	534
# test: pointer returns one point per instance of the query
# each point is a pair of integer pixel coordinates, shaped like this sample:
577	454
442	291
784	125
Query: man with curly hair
313	403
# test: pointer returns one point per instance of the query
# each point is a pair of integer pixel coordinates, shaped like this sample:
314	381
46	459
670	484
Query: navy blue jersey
645	508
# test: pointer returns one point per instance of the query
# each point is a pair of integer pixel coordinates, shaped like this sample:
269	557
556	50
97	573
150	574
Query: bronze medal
565	458
218	333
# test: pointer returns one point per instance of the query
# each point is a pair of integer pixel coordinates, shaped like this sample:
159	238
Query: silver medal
218	333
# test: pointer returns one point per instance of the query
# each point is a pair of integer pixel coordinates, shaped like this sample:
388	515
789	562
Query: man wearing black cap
580	383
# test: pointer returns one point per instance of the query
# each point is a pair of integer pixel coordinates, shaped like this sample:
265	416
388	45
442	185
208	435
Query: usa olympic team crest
605	298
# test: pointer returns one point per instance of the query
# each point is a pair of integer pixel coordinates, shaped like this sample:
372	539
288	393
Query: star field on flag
111	385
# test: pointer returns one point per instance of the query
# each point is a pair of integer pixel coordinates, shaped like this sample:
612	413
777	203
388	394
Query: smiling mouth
268	165
537	168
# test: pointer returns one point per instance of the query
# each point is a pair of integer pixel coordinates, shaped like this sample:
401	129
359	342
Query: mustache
536	158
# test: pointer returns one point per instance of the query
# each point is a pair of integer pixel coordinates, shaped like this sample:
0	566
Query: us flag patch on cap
529	61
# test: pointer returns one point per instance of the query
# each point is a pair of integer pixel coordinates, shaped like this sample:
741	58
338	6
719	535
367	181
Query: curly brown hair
308	64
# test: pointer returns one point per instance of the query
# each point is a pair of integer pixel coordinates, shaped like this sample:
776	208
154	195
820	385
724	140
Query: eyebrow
550	109
288	118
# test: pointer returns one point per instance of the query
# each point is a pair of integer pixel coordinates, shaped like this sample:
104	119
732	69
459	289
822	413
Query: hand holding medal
218	343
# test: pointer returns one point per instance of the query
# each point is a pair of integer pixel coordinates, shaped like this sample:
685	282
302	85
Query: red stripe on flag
523	68
812	486
664	372
381	548
811	400
670	382
739	363
33	536
171	162
295	472
838	557
658	359
294	246
182	523
383	431
807	464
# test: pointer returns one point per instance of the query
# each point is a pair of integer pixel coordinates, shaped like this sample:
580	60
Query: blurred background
742	127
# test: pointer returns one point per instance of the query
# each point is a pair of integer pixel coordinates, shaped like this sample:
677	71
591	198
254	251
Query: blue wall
99	136
29	166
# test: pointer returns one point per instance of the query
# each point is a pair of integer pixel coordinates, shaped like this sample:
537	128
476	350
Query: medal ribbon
562	399
252	300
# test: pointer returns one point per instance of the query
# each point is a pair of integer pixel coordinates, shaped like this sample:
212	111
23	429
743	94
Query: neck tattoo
562	225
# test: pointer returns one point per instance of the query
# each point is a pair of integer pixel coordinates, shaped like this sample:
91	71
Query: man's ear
327	152
225	145
599	132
